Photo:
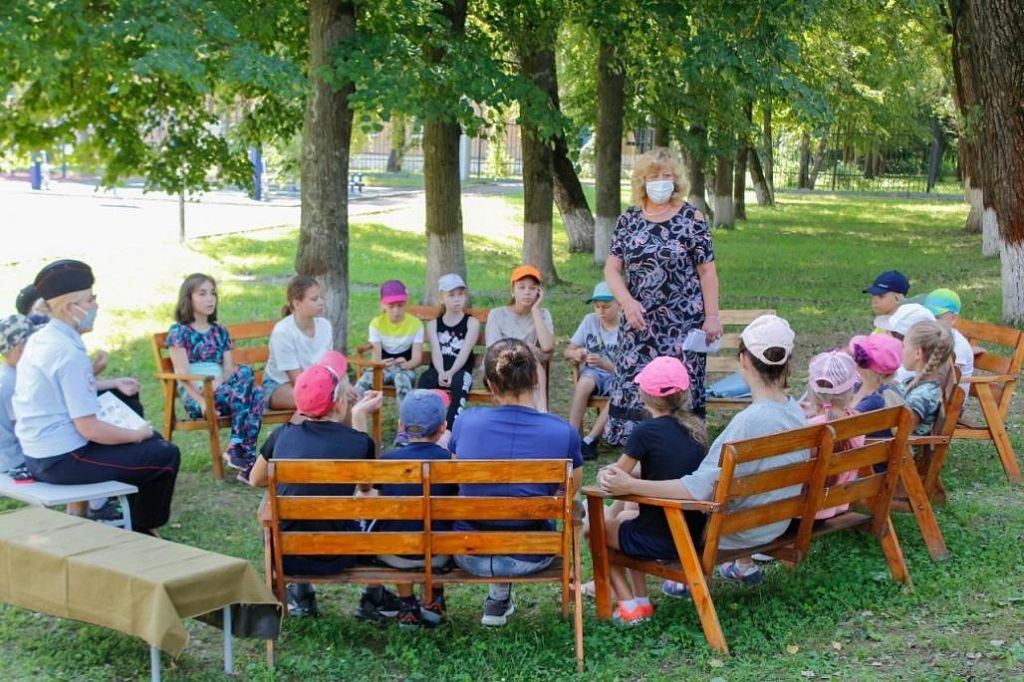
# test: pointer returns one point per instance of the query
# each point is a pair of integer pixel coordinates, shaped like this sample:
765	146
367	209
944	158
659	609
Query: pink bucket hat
832	373
663	376
879	352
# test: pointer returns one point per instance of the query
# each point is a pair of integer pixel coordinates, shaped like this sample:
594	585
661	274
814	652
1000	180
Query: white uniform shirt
55	385
291	349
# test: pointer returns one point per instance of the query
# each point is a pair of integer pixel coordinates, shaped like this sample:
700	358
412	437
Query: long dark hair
297	288
510	367
183	312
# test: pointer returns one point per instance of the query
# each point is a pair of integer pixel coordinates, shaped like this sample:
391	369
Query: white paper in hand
114	411
697	342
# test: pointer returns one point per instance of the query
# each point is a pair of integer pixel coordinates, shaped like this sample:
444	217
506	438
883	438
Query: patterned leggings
462	382
240	397
401	379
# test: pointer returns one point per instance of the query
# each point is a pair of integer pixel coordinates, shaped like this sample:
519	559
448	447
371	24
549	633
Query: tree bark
724	209
611	101
869	163
739	183
769	150
819	159
966	100
938	148
538	66
572	201
327	132
397	151
803	177
441	184
993	33
761	189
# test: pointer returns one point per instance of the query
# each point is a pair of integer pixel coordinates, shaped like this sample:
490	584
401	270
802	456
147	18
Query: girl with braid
926	351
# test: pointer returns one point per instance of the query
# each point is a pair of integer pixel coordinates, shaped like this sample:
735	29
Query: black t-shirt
415	450
317	440
665	451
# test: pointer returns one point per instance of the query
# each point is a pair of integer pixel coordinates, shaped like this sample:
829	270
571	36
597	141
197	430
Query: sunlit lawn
838	614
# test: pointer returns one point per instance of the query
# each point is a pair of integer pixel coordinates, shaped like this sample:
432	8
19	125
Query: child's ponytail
936	343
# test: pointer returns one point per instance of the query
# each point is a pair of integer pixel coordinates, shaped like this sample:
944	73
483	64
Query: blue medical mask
660	191
86	323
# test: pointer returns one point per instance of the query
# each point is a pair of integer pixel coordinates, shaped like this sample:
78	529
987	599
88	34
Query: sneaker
764	558
676	590
409	616
110	511
496	612
382	607
750	575
233	462
302	601
433	611
634	617
589	450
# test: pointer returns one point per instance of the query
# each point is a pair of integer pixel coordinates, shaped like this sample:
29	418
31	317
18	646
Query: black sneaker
110	511
374	607
302	601
496	612
410	616
589	450
433	611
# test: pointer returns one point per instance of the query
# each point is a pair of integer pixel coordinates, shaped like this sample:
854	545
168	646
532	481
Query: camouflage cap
14	330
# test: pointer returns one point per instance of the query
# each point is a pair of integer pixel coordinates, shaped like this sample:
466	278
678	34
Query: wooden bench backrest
812	475
733	322
1012	340
245	353
424	507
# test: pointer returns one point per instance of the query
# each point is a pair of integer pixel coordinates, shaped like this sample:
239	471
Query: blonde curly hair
658	159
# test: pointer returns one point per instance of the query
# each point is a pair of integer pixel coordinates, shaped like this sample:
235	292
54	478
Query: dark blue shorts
634	542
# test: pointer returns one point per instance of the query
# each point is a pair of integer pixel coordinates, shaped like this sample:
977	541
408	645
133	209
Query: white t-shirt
963	356
291	349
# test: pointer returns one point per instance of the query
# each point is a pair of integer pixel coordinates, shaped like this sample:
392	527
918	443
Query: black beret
63	277
27	298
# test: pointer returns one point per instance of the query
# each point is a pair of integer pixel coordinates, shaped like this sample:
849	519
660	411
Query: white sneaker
762	557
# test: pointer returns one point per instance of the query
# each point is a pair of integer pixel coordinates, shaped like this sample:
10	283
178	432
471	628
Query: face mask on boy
659	191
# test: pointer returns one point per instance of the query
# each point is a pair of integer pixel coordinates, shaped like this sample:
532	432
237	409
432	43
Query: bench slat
860	489
346	471
868	455
775	444
496	542
319	544
349	508
499	471
496	508
762	515
773	479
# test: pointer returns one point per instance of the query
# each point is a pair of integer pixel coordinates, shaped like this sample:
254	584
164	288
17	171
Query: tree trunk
739	183
989	232
538	66
572	202
695	151
938	148
611	101
724	209
662	137
397	151
966	100
972	195
992	35
327	132
869	163
819	159
769	151
761	188
441	184
803	179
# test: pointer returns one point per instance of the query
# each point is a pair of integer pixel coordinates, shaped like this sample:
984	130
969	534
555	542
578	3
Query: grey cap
450	281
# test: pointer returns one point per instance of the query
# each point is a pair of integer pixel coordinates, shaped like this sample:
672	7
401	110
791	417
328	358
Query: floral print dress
238	395
659	264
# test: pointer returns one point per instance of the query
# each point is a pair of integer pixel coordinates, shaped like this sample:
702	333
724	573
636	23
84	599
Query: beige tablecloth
73	568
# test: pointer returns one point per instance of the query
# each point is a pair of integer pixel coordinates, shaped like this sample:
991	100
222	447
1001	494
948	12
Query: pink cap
879	352
832	373
318	387
393	291
663	376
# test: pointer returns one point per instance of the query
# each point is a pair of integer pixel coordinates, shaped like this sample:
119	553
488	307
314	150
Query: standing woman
55	406
661	269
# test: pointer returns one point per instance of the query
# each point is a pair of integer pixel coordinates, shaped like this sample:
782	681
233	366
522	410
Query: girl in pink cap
669	445
877	357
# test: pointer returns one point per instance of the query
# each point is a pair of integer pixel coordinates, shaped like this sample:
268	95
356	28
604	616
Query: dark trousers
462	382
151	466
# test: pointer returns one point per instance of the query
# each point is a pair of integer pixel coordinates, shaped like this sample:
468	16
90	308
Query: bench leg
599	553
695	579
154	664
894	554
922	509
229	653
126	512
577	607
997	430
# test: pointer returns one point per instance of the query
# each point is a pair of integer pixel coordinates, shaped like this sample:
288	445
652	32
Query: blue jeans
500	566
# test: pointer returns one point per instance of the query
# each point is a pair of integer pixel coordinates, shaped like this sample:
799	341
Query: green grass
838	614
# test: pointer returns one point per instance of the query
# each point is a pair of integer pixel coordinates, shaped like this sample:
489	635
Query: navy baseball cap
422	413
890	280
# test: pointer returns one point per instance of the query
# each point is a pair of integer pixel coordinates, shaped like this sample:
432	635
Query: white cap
906	316
450	281
768	331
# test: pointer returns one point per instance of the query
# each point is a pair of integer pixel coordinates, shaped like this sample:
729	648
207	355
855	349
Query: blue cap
422	413
602	292
890	280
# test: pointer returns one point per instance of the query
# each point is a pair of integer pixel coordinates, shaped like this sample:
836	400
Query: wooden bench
42	494
562	543
426	313
720	364
699	556
251	348
993	383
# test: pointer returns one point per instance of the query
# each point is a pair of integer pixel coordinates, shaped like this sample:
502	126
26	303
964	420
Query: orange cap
525	271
